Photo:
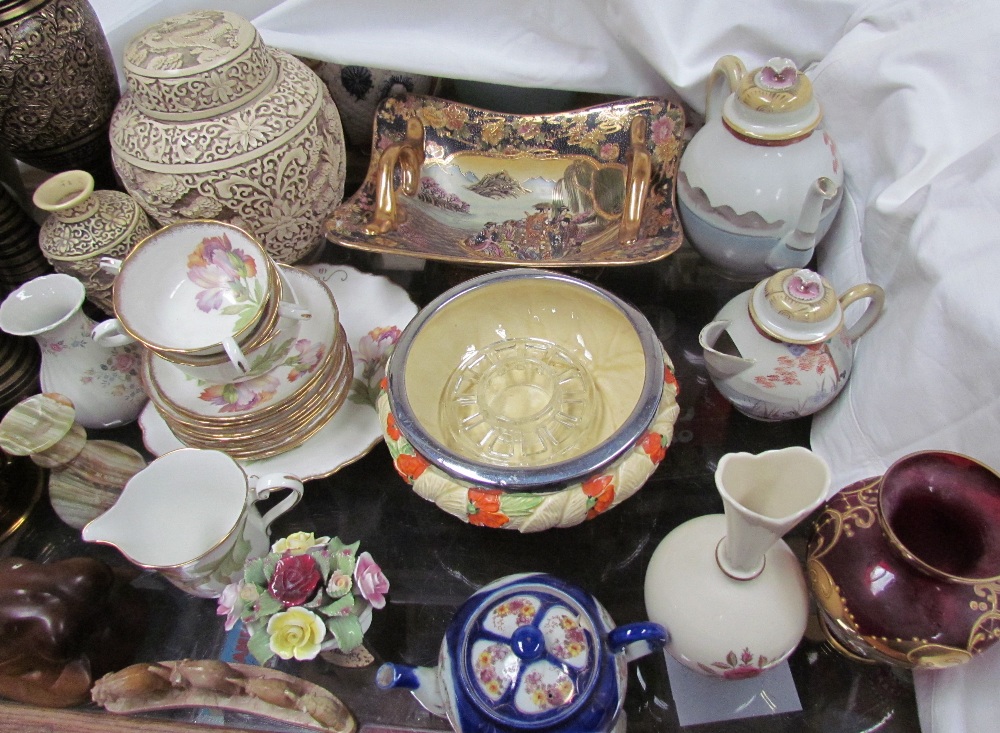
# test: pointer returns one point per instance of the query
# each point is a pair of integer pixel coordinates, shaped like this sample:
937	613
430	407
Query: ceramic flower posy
307	595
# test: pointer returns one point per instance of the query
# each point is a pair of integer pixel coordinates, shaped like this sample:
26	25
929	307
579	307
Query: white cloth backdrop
910	96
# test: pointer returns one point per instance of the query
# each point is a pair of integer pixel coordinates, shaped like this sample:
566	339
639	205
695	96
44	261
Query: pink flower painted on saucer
227	278
241	396
305	357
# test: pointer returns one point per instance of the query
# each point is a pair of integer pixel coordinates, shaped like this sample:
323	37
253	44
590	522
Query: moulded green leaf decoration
268	604
341	606
254	572
260	646
346	630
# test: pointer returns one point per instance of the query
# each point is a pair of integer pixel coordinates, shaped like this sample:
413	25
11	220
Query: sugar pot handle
638	639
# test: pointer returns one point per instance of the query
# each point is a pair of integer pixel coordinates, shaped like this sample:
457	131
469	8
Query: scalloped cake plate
368	304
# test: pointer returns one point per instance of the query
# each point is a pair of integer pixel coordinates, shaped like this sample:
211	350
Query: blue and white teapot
529	651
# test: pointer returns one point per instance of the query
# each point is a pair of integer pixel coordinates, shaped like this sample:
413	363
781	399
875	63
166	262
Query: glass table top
434	561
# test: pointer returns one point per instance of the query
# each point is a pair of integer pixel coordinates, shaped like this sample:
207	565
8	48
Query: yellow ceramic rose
297	632
298	543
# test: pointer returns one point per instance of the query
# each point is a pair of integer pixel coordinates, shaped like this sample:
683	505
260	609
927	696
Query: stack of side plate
274	411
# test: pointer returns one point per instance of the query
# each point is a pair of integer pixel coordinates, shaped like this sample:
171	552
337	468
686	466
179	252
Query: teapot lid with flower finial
797	306
774	103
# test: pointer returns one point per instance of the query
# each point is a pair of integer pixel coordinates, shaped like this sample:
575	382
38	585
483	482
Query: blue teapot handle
638	639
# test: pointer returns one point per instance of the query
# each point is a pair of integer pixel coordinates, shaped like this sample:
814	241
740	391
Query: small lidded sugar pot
530	651
759	184
781	350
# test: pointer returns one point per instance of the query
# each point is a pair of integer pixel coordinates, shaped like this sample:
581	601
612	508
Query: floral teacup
192	288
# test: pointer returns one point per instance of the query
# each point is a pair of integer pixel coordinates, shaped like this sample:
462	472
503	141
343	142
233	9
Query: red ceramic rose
295	580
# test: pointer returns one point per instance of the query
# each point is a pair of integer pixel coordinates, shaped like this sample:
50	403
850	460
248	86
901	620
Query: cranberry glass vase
905	568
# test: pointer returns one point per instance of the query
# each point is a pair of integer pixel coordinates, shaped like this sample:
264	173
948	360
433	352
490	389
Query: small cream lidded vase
760	182
85	225
217	125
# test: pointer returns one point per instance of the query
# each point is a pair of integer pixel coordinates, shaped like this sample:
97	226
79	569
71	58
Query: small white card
703	699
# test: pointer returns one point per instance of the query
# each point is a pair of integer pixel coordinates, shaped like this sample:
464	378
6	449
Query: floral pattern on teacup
227	278
304	357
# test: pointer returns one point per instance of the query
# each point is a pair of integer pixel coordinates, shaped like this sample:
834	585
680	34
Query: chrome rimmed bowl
529	384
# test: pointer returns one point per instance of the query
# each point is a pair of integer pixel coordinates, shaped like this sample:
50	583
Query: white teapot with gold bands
781	350
760	182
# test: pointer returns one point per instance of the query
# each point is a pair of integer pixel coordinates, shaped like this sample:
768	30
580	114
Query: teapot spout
720	364
795	248
422	682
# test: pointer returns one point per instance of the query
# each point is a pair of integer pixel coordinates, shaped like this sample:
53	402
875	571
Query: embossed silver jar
85	225
217	125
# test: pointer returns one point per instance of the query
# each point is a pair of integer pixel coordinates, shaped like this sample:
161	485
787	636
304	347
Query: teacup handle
236	355
263	486
872	312
111	265
638	639
109	334
291	310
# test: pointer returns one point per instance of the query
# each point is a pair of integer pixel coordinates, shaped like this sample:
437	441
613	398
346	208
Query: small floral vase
103	383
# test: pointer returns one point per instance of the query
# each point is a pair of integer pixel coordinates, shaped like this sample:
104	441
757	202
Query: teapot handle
638	639
872	312
732	70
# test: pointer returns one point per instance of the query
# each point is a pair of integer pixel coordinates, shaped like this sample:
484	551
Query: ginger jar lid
773	103
196	65
530	654
797	306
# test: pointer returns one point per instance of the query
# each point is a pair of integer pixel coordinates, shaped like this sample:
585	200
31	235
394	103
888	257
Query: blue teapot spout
422	682
795	248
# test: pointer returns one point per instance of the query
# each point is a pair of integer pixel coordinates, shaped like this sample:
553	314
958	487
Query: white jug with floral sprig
103	383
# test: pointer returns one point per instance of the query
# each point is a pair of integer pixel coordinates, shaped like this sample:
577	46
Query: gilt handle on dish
408	156
637	182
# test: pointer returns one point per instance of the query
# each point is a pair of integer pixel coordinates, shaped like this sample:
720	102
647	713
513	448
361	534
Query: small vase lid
196	65
797	306
774	103
529	653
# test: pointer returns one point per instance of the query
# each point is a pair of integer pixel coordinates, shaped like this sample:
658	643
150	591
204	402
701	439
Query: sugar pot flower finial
308	595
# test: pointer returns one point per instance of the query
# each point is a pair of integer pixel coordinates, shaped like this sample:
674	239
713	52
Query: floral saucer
452	182
373	311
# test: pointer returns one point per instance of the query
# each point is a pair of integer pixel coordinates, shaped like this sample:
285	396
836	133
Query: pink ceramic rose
370	581
295	580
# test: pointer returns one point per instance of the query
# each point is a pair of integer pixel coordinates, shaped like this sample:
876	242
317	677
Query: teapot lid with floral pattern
797	306
532	651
